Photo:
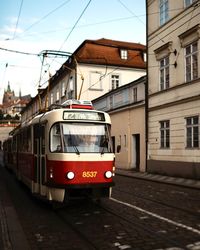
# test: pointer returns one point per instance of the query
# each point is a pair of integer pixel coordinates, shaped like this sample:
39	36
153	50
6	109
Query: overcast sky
33	26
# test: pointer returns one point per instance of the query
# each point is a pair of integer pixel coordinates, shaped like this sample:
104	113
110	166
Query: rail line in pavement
177	224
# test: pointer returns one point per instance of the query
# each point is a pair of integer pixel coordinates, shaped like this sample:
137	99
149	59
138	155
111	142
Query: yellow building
126	106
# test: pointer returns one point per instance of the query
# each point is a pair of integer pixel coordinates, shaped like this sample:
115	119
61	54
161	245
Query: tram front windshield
80	138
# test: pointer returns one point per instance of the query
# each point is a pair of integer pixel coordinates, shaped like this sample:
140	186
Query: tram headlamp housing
108	174
70	175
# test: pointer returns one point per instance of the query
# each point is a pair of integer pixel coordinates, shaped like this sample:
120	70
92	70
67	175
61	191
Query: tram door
39	159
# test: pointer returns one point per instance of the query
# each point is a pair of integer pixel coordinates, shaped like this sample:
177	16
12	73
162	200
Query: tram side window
55	145
21	143
9	146
29	146
25	141
14	146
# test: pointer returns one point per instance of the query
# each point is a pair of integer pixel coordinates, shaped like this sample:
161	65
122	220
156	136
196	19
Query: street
140	215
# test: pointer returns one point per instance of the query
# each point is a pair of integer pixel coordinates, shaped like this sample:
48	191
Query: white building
174	87
95	68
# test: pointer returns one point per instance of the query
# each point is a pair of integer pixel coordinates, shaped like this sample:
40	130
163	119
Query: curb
160	178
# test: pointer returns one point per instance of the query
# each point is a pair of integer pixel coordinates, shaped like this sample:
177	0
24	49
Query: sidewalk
160	178
12	236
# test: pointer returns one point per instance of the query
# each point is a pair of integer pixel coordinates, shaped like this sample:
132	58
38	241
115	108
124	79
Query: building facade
126	106
95	68
12	105
173	111
106	65
10	111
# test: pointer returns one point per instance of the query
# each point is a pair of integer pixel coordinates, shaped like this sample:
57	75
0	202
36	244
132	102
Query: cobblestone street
140	215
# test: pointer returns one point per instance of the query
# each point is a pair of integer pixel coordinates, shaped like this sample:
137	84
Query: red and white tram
65	153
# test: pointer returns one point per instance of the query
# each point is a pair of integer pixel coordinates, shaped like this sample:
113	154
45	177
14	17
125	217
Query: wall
125	124
181	99
101	84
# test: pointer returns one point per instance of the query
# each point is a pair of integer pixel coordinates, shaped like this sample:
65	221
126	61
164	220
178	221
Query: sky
29	27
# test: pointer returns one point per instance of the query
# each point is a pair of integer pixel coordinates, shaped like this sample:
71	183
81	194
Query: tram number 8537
89	174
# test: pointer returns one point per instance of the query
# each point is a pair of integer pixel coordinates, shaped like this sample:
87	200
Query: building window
70	88
134	94
189	2
164	134
192	132
164	11
124	54
191	62
51	98
96	80
114	81
145	56
120	140
164	73
111	102
63	89
57	94
71	84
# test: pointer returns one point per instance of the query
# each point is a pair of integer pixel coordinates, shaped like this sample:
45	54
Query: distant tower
20	94
8	95
8	88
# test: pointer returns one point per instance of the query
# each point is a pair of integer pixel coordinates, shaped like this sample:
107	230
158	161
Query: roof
107	52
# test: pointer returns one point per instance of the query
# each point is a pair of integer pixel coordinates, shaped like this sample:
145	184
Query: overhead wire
177	27
4	72
20	9
188	24
91	24
44	17
19	52
109	73
74	26
87	25
130	11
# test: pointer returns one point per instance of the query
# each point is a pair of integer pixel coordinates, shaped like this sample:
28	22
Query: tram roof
57	115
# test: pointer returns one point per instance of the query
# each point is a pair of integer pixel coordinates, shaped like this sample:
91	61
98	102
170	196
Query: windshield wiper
103	144
76	149
74	146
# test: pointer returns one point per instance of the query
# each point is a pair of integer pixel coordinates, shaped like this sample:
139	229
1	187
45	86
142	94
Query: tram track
78	222
151	232
73	221
184	210
169	236
89	244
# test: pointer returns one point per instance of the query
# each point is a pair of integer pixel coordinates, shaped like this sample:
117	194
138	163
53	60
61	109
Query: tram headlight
70	175
108	174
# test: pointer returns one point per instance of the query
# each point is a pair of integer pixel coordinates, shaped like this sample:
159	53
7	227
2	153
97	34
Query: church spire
8	88
20	93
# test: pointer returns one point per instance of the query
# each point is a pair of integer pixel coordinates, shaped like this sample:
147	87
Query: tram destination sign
83	115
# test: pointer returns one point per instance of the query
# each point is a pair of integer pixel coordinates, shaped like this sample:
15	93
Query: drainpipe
75	83
146	88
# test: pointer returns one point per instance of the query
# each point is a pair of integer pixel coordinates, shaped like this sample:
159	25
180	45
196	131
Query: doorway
135	152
